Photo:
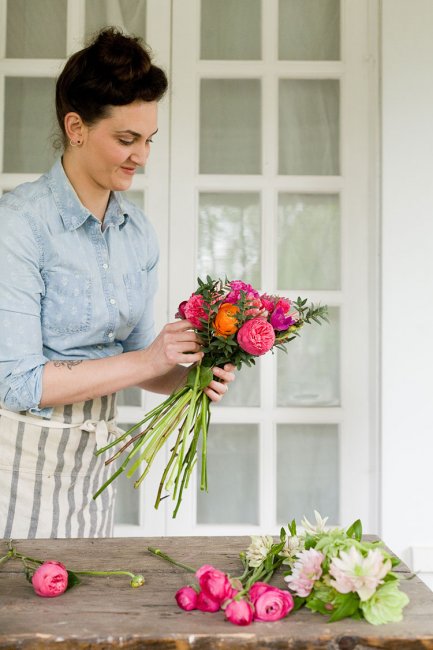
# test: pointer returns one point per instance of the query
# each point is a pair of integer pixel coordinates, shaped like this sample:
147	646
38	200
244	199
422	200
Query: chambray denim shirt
69	288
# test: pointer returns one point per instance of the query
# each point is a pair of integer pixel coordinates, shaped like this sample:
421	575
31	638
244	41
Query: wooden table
106	612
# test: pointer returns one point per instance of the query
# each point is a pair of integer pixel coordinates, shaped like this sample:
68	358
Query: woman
77	280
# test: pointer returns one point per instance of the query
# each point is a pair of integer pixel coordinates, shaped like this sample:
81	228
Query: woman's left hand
217	389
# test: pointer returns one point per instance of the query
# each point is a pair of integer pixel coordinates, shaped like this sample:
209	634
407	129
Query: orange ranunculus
225	322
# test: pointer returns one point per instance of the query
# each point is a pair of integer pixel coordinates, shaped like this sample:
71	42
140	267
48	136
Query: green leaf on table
73	580
345	605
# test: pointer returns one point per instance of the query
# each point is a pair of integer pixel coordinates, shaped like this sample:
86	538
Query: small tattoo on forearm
67	364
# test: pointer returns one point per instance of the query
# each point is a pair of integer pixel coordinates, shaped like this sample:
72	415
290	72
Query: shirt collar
72	211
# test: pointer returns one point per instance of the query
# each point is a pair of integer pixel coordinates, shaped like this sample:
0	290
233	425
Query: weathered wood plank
105	613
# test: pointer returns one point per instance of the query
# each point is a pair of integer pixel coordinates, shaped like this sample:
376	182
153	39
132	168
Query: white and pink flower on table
332	571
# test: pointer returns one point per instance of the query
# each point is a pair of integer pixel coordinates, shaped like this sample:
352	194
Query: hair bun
124	57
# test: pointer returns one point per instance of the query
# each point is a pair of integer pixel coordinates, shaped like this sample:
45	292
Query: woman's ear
75	129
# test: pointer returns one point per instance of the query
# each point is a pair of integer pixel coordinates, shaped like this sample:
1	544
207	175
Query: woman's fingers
217	389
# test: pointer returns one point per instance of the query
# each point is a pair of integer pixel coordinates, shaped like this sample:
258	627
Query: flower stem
5	558
188	423
104	573
164	556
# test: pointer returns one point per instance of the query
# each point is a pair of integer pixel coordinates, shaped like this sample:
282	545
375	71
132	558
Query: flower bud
137	580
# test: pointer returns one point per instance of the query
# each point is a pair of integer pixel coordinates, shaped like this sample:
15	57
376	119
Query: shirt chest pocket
136	294
67	305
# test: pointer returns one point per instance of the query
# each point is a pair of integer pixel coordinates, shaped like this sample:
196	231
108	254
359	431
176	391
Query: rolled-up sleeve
21	288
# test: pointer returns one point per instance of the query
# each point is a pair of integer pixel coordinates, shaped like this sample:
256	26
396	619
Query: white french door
261	171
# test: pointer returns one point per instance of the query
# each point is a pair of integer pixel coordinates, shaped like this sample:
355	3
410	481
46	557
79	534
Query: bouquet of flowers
334	572
236	325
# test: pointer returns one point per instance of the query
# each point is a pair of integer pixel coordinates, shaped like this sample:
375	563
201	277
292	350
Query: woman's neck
93	197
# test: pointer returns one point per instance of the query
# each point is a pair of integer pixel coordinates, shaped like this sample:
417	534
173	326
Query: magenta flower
256	336
280	321
186	598
214	583
193	310
239	612
50	579
181	310
273	604
206	603
307	569
236	287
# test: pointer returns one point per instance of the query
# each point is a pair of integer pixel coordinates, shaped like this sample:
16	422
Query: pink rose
239	612
268	302
284	304
206	603
193	310
257	589
186	598
236	287
50	579
256	336
214	583
273	604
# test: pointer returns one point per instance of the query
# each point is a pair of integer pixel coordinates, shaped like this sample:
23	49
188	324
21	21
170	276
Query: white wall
407	280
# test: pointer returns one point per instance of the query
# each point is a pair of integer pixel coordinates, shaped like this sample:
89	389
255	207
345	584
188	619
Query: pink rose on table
186	598
271	604
256	336
206	603
214	583
239	612
50	579
193	310
257	589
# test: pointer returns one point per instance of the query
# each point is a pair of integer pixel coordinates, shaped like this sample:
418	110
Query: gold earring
75	144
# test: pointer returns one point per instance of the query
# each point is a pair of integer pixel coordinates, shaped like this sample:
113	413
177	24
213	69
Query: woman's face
116	146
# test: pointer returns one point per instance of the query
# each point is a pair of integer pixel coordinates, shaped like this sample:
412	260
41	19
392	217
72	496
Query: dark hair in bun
113	70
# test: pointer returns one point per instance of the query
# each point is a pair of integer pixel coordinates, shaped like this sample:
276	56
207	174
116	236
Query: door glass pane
308	241
309	374
136	197
232	466
127	504
309	120
246	389
28	102
309	30
307	472
129	15
36	29
230	126
230	29
229	236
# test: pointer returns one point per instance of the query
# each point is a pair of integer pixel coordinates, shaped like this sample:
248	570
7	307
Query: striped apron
49	471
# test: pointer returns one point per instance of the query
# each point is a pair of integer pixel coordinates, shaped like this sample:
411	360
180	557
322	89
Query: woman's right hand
177	343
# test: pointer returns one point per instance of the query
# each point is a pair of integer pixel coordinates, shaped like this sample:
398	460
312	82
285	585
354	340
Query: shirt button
105	266
110	335
112	301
